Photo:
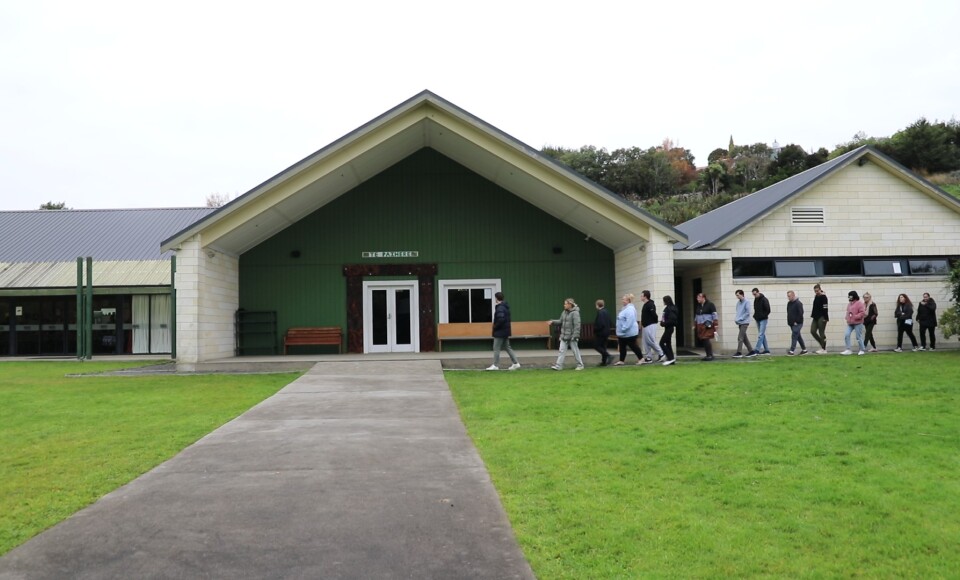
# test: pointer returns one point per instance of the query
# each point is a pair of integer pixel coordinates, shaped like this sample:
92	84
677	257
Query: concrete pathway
355	470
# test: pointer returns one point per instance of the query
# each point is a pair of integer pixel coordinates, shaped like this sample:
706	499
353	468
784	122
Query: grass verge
810	467
67	441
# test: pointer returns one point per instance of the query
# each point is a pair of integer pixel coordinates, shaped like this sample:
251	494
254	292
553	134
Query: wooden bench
586	335
313	336
484	330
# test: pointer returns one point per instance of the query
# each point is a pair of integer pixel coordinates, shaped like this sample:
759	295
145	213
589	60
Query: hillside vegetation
665	181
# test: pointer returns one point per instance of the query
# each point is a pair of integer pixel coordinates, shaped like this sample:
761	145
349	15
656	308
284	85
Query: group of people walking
633	330
861	317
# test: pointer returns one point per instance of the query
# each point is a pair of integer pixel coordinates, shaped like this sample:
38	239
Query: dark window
752	268
929	267
469	305
796	269
458	305
481	305
842	267
882	268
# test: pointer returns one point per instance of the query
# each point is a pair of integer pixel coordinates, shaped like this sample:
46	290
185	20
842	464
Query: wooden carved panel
355	273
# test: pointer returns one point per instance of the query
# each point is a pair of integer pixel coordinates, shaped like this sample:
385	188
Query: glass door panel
402	319
5	328
390	321
379	334
27	317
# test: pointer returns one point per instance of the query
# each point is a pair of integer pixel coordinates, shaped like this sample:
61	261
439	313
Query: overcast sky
135	104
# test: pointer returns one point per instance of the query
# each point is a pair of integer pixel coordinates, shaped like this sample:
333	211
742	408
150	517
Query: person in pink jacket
856	312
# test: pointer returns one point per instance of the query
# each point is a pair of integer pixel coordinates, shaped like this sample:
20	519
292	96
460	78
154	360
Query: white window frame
493	284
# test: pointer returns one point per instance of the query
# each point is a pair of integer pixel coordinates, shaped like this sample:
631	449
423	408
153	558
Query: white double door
390	316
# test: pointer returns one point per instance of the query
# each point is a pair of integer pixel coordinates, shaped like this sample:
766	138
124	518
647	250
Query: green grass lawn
809	467
67	441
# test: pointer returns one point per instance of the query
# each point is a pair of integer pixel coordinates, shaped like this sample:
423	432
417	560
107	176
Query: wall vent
807	216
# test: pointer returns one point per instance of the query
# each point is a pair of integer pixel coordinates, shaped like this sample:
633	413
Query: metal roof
47	236
708	229
64	274
425	120
714	227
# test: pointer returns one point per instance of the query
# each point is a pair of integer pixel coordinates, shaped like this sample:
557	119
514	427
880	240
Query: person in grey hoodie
569	322
742	320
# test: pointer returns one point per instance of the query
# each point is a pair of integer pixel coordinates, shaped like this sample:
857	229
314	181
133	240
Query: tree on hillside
588	161
860	139
682	162
711	178
217	199
817	157
717	154
791	161
751	163
624	174
54	205
927	147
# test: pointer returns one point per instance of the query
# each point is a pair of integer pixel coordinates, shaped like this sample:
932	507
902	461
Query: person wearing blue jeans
761	312
795	321
856	313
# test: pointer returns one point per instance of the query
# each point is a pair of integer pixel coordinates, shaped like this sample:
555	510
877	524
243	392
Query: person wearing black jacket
602	326
870	321
761	312
795	322
648	322
669	321
501	334
819	317
904	315
927	319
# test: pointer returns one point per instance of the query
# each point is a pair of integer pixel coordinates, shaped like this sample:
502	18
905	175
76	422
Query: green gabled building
413	220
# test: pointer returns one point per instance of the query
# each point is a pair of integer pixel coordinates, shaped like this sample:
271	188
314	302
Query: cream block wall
208	295
868	212
884	291
648	269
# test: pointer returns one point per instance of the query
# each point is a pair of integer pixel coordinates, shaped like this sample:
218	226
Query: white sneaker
556	367
920	349
898	349
824	351
848	351
579	368
860	353
514	367
669	362
492	368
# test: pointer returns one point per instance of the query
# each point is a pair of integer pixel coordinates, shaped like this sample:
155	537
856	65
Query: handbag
908	322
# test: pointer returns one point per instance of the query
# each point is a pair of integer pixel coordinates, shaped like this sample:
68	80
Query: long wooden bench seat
482	330
313	336
586	335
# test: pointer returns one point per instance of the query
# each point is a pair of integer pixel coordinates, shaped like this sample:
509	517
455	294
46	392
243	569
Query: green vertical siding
427	203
